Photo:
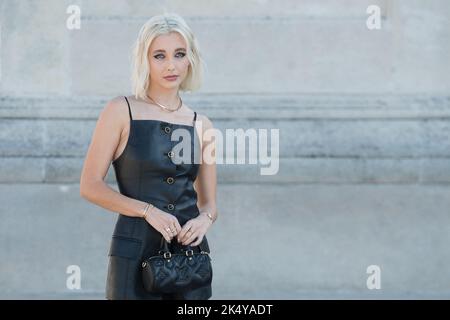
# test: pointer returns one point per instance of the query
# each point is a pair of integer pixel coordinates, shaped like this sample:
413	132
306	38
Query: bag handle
164	246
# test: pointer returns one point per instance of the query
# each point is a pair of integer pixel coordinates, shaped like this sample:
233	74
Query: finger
187	234
174	229
183	231
177	224
166	235
171	232
199	240
190	238
189	241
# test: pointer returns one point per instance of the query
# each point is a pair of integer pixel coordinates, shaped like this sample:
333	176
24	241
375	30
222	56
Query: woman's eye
180	55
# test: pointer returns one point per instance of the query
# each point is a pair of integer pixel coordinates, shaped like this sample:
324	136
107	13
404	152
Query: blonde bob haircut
155	26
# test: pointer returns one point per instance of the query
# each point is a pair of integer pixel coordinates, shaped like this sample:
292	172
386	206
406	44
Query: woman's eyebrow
161	50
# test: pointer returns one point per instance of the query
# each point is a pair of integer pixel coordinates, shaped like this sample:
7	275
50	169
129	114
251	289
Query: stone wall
363	117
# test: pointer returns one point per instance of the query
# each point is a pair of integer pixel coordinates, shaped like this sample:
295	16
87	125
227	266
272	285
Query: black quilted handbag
170	272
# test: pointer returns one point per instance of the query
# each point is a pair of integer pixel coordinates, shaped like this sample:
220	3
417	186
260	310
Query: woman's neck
169	98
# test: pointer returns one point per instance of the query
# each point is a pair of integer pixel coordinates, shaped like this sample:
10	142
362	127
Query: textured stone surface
321	138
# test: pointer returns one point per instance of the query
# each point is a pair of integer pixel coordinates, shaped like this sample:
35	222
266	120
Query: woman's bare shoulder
115	108
114	114
115	104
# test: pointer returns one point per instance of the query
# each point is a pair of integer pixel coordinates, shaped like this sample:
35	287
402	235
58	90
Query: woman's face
167	56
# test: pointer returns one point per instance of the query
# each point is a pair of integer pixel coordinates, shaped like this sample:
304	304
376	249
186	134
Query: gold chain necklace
164	107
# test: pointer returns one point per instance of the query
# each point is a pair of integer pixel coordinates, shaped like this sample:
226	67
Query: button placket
167	129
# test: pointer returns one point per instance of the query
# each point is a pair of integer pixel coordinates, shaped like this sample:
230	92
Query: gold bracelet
147	206
209	216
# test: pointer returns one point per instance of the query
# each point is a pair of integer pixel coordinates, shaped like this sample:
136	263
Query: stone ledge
291	170
249	106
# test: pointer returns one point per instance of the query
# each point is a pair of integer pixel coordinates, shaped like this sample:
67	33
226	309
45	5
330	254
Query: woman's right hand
162	221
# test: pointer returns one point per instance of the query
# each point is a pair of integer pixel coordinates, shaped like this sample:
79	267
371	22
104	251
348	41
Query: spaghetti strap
129	109
195	116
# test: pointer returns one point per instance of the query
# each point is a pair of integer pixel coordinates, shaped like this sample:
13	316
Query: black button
170	206
167	129
170	154
170	180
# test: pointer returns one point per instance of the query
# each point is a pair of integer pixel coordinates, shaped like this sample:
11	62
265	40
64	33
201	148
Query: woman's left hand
194	228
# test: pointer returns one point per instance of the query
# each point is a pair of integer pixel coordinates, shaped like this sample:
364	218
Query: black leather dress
146	170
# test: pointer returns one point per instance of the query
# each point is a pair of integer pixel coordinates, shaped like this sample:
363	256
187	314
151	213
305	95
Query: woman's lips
171	78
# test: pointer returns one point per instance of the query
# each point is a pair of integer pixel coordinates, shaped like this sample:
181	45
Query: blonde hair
155	26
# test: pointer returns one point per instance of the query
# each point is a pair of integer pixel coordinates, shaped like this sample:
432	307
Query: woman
160	196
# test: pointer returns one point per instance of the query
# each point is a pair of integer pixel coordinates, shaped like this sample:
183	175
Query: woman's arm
105	139
206	182
205	186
